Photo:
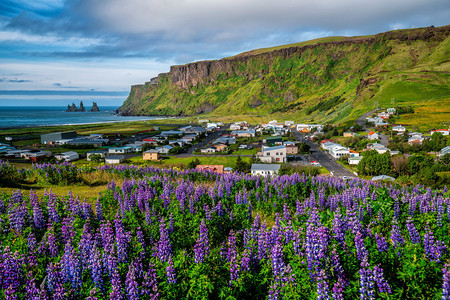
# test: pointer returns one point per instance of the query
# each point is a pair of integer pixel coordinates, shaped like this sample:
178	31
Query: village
267	146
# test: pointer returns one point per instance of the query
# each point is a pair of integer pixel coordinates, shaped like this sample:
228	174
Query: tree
193	163
242	166
445	159
95	158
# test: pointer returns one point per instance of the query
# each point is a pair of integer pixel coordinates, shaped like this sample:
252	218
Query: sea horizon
37	116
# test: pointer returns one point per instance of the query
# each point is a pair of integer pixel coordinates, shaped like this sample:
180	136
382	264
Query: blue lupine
170	271
131	284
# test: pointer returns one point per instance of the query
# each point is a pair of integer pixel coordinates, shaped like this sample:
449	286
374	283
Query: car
345	177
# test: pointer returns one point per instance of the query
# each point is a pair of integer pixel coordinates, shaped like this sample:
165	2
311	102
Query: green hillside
326	80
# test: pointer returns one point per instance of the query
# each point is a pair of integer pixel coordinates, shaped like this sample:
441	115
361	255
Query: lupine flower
170	271
131	284
164	246
446	282
338	289
366	279
116	286
413	233
201	248
381	243
150	284
323	291
382	284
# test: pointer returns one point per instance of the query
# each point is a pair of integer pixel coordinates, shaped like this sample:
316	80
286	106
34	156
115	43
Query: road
361	121
325	159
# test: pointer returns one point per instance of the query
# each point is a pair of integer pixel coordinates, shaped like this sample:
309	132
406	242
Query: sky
56	51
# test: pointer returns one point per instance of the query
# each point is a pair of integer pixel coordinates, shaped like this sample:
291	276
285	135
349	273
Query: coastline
88	123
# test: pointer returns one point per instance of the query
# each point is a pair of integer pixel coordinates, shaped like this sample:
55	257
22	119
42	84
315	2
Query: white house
383	177
235	127
442	131
208	150
135	147
68	156
338	151
164	149
273	154
244	133
265	169
373	136
399	128
102	154
120	150
354	160
114	159
444	151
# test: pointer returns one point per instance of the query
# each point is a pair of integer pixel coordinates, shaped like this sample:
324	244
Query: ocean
30	116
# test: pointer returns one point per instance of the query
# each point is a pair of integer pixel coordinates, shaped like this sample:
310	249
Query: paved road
211	136
325	159
361	121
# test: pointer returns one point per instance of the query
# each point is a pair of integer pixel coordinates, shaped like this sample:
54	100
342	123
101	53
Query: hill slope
325	80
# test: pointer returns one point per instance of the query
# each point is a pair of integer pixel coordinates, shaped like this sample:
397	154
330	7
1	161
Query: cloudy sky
55	50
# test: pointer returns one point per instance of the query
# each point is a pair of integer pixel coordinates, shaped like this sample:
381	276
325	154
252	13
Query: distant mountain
333	79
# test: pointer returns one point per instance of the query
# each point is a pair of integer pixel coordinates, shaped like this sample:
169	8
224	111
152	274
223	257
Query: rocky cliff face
269	81
94	107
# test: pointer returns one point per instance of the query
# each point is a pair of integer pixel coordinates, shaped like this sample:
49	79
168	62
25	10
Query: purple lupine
32	292
231	246
11	293
323	291
433	249
140	238
116	286
150	284
446	282
18	217
278	264
366	283
38	217
397	238
382	284
54	276
31	241
413	233
201	248
338	229
382	245
122	241
361	251
245	260
131	285
338	289
96	268
10	269
99	210
92	294
164	246
67	229
52	241
71	267
170	271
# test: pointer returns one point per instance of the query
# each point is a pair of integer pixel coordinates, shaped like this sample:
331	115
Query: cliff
291	80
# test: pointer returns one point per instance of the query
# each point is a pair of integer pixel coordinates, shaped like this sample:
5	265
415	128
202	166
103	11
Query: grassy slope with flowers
193	234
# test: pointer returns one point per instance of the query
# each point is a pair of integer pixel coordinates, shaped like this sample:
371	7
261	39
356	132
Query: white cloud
117	75
75	42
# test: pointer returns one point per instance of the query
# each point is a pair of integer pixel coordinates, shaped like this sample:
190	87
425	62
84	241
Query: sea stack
94	107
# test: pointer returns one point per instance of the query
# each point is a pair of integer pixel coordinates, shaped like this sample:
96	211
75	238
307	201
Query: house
36	156
338	151
50	138
349	134
399	129
208	150
164	149
168	133
315	163
273	154
289	143
373	136
136	147
288	123
120	150
274	140
220	147
67	156
354	160
384	115
415	140
391	110
213	168
382	177
195	130
442	131
375	146
244	133
444	151
114	159
235	127
102	154
227	170
323	142
265	169
354	153
291	149
151	154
